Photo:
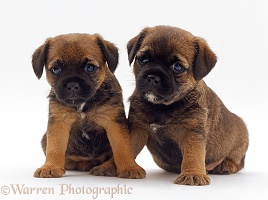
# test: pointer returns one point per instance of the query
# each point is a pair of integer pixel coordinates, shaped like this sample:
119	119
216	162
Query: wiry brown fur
87	127
185	126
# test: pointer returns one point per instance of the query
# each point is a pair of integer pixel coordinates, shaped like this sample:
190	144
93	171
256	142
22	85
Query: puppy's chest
85	126
158	126
87	139
163	122
159	120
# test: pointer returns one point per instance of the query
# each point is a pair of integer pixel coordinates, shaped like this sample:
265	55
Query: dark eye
56	70
143	59
177	68
89	68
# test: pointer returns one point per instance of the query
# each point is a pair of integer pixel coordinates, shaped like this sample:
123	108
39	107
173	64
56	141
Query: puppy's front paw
49	172
192	179
135	172
105	169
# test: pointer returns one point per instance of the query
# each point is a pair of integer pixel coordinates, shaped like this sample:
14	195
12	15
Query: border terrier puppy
185	126
87	124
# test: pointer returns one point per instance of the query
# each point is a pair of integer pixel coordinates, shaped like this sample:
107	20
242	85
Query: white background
236	30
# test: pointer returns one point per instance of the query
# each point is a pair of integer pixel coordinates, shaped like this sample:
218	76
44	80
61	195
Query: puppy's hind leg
231	164
226	167
235	160
82	165
107	168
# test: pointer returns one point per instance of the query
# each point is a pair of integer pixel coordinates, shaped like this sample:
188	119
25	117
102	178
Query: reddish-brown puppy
184	124
87	127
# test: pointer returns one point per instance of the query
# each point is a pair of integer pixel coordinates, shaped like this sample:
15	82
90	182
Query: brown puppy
87	124
184	124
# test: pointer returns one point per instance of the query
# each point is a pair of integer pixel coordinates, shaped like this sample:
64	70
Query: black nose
153	79
73	86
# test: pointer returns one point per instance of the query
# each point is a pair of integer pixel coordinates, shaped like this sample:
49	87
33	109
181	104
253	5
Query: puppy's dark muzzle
153	80
73	87
74	90
155	84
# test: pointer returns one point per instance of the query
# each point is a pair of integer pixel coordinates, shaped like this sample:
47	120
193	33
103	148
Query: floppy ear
110	53
134	45
205	59
39	59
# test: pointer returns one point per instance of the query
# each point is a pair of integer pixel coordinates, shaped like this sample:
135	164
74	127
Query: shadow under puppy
87	124
184	124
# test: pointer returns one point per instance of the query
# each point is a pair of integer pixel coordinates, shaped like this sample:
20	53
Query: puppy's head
168	62
76	65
